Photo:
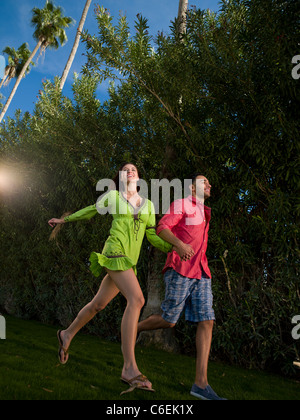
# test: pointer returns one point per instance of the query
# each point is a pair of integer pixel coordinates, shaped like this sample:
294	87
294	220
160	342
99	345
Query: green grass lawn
29	370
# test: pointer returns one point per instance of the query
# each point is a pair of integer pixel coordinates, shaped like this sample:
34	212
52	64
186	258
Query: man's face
202	187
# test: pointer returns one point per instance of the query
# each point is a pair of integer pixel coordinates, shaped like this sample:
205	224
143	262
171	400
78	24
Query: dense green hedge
222	101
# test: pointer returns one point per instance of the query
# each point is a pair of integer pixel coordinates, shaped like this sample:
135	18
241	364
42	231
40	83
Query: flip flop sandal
136	383
61	348
297	364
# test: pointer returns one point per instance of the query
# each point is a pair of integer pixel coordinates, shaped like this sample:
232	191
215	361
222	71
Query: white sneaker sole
199	396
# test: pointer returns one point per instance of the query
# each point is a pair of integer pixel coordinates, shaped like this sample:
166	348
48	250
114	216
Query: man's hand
185	251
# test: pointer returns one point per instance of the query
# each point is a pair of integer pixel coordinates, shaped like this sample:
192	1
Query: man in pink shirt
187	277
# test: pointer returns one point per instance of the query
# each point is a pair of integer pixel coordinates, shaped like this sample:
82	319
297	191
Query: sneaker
205	394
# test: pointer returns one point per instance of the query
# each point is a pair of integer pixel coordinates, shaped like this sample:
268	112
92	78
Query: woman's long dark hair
116	179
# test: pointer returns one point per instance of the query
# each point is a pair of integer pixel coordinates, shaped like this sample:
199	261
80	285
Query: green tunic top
122	248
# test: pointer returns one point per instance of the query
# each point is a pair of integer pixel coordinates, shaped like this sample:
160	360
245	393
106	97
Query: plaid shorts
192	295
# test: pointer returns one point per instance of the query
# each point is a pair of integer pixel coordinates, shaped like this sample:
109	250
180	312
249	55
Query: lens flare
10	180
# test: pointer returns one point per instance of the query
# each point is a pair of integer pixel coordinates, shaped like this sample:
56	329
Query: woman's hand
54	222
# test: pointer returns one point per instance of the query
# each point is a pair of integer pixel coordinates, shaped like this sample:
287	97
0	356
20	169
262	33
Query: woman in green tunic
133	216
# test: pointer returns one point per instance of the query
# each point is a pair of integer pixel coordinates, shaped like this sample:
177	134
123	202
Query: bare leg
203	344
153	322
128	284
106	293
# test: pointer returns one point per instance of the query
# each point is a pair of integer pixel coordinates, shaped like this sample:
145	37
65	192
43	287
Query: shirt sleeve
172	217
102	207
152	237
84	214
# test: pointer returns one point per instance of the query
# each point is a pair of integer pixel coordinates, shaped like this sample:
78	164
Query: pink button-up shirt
188	220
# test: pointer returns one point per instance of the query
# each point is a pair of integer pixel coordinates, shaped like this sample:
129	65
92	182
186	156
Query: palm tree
76	44
163	338
50	24
10	69
16	61
182	10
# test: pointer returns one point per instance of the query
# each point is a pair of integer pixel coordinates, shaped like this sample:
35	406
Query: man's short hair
194	176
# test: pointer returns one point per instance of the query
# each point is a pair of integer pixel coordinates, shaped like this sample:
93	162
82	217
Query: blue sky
15	29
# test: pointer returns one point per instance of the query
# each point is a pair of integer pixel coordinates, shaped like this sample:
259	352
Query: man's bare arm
185	251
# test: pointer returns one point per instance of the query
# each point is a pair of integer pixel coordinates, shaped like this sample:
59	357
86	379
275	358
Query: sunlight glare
9	180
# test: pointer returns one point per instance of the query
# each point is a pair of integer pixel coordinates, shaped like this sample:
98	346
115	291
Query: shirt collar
195	200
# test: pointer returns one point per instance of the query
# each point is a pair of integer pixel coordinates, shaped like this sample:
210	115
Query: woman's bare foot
141	380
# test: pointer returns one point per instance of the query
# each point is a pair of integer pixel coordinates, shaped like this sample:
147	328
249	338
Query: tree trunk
182	10
76	44
21	75
5	76
163	338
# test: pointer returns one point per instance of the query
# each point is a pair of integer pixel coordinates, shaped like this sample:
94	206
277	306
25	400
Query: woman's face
130	173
